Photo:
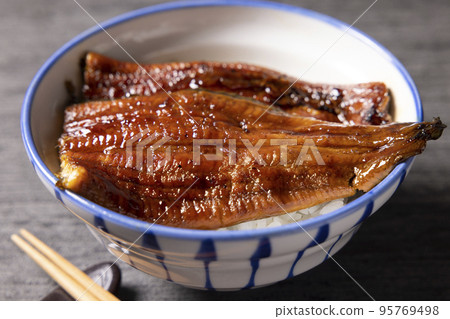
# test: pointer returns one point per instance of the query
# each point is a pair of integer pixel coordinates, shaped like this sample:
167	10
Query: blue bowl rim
136	225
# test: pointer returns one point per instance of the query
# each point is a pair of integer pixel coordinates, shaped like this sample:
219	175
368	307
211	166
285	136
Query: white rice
288	218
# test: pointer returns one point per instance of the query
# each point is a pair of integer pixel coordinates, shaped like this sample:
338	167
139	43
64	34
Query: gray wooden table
402	252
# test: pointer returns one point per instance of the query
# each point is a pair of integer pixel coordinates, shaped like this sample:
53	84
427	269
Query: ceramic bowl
292	40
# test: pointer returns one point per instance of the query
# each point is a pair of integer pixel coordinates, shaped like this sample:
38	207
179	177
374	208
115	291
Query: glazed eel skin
365	103
209	194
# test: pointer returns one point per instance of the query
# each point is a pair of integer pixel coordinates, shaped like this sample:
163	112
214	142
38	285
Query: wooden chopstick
73	271
66	282
79	285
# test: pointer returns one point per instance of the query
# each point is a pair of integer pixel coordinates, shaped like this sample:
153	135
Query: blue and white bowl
292	40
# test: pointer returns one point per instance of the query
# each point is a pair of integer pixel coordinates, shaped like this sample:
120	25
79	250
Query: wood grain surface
400	253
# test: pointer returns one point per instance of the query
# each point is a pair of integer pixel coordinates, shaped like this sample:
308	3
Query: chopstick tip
16	239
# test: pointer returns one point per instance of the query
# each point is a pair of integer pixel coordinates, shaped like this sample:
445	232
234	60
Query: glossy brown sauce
365	103
177	191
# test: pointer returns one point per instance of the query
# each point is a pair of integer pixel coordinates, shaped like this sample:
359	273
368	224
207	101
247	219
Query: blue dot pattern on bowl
263	251
329	253
367	212
150	241
207	254
321	236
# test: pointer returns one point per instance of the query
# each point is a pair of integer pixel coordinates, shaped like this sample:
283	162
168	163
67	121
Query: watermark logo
308	148
140	151
140	143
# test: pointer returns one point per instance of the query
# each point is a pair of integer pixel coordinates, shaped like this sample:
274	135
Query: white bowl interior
295	44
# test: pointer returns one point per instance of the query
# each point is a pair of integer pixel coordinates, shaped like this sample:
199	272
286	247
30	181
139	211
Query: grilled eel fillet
366	103
219	193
